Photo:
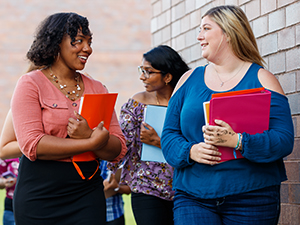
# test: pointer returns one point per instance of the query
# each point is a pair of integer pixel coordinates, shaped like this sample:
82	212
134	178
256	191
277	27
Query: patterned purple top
152	178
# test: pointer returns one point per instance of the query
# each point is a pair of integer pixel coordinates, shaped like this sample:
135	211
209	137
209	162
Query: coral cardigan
39	109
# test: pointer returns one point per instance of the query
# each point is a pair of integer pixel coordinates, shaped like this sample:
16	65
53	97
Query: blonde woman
242	191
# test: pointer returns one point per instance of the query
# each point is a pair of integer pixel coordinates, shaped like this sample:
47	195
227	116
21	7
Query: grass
129	219
2	197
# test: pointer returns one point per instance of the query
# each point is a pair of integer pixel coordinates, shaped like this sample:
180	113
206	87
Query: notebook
154	115
245	111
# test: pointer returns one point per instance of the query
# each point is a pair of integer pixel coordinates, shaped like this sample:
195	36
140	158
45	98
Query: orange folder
96	108
245	111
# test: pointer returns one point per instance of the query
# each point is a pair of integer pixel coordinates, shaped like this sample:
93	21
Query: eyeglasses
146	73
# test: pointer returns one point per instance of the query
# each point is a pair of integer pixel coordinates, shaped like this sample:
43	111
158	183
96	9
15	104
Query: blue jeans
8	218
259	207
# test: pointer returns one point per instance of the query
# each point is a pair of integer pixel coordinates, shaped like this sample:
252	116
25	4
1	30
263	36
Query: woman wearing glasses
150	182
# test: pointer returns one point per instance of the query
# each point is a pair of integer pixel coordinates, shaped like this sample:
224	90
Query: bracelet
239	143
117	189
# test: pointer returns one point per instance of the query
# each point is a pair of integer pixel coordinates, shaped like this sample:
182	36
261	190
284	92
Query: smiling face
75	54
212	39
155	81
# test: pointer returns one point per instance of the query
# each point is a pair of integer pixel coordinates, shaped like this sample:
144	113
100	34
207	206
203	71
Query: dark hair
167	60
45	47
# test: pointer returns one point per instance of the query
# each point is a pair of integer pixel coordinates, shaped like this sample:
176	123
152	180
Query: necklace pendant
222	83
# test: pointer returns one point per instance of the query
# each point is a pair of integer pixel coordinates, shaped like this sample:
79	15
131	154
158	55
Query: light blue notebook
154	115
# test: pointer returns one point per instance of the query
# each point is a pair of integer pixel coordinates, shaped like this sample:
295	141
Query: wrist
2	183
117	188
239	142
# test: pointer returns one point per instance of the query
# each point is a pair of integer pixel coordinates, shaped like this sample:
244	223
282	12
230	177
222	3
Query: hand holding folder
245	111
95	108
154	115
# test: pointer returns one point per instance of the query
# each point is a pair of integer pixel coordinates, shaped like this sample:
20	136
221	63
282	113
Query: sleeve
175	147
26	112
278	141
114	129
131	116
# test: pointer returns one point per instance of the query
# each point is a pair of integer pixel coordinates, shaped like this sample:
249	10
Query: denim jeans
259	207
8	218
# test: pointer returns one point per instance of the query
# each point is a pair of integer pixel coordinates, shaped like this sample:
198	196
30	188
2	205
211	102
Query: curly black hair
167	60
45	47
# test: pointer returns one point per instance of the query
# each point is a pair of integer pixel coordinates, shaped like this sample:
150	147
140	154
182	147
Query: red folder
96	108
245	111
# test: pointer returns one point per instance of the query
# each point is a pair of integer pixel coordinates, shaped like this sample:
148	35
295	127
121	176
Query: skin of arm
202	152
112	186
9	147
149	136
79	129
54	148
7	182
48	147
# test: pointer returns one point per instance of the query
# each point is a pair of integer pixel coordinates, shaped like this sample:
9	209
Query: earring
167	83
57	57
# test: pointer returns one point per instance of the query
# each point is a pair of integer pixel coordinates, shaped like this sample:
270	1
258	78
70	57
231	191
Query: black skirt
52	192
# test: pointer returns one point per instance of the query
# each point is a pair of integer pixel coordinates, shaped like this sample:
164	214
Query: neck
163	96
64	73
229	65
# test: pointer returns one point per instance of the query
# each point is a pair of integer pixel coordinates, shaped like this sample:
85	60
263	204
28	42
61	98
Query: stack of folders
245	111
96	108
154	115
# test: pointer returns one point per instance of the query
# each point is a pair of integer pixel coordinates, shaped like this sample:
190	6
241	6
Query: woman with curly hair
51	187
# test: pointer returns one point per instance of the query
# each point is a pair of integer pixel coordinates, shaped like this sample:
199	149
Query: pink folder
245	111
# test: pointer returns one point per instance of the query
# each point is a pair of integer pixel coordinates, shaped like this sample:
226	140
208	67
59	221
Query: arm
271	145
115	147
178	151
182	79
29	128
149	136
112	186
278	141
7	182
9	147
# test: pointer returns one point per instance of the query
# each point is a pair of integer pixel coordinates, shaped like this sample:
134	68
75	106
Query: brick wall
121	33
276	25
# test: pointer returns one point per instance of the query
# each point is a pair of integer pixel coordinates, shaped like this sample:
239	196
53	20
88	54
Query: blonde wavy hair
234	23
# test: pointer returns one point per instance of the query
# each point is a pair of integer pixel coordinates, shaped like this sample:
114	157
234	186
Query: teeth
82	57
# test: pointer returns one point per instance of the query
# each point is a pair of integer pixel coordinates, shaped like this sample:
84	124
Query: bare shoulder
183	78
142	96
269	81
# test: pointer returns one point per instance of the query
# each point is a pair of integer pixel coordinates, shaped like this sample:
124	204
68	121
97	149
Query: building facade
276	25
121	34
